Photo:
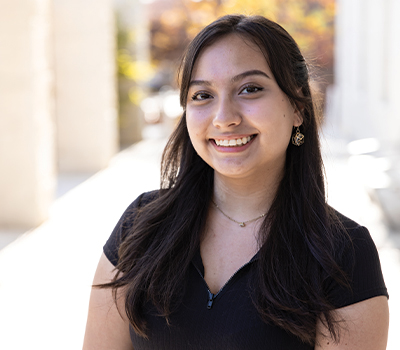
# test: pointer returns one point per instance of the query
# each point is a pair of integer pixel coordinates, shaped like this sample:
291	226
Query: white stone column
366	92
365	98
350	60
86	109
27	175
393	72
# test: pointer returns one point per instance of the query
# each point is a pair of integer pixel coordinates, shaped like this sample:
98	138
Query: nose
226	114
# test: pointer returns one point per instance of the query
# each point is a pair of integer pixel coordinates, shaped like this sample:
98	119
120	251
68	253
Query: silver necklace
241	223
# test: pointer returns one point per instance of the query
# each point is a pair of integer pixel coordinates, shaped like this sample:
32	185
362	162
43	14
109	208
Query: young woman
239	249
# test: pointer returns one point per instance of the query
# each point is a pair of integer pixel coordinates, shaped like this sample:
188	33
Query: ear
298	116
298	111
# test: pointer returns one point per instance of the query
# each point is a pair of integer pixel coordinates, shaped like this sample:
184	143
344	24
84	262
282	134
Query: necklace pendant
242	224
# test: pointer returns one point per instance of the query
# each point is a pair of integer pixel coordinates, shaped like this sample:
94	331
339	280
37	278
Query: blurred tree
310	22
134	68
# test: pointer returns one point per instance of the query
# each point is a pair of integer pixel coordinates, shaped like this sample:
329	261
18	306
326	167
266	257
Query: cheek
285	128
277	124
196	130
196	123
191	126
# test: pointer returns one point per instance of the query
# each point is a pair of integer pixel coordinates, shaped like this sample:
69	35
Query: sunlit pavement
45	275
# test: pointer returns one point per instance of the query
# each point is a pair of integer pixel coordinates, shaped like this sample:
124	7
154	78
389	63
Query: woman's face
239	120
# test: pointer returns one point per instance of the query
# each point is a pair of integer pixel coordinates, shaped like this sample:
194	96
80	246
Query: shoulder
137	206
131	212
358	257
142	200
355	235
358	238
348	224
125	223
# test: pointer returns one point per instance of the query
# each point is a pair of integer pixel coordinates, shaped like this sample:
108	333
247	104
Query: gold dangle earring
298	138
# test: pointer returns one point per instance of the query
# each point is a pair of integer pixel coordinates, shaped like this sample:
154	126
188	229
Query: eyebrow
249	73
234	79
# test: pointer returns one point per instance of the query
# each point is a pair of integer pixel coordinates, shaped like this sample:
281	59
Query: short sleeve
362	266
124	225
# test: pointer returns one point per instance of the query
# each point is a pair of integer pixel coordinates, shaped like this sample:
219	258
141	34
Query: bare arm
366	327
105	328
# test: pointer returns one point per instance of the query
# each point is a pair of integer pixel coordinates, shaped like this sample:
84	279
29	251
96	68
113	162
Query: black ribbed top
229	320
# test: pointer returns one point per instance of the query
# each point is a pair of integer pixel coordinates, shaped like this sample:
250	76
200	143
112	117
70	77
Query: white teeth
237	142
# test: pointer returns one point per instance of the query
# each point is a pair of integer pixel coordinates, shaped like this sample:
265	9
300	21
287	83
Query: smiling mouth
234	142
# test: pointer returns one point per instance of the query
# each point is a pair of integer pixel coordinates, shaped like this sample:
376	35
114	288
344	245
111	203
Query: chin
231	172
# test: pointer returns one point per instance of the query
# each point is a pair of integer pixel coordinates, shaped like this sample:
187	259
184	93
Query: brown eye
200	96
251	89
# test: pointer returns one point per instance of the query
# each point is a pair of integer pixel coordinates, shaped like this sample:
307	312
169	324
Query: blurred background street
88	97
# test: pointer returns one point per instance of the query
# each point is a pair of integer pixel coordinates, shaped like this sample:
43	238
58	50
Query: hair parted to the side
299	236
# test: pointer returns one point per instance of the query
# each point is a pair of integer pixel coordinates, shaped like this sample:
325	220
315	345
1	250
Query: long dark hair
298	254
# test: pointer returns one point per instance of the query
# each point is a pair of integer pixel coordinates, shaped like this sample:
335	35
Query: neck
244	199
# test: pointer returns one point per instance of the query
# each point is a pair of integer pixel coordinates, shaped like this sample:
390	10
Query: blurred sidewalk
349	193
45	275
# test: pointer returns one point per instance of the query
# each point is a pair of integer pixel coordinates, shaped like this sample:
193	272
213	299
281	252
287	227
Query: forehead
230	55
